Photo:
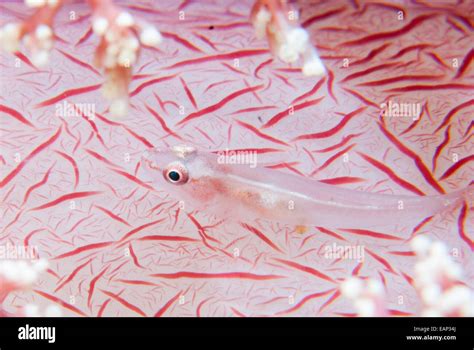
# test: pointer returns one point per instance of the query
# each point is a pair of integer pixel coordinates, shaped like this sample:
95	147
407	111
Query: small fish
231	191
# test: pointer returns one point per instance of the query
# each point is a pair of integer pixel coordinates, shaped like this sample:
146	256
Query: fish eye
176	173
174	176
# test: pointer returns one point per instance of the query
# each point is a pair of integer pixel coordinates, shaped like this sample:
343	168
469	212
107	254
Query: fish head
183	172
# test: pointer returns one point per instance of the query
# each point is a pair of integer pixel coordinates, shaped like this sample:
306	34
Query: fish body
238	191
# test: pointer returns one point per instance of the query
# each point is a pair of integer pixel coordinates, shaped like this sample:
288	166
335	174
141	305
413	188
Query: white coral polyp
430	294
10	37
365	295
420	245
111	36
131	44
121	53
453	271
287	53
40	265
124	19
43	32
126	58
374	288
35	3
262	20
292	44
365	307
33	310
438	250
52	311
21	273
297	39
119	108
435	270
150	36
40	58
454	298
312	66
100	25
352	288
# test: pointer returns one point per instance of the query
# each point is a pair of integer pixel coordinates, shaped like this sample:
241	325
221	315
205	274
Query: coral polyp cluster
438	280
21	275
288	41
36	33
368	296
121	36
